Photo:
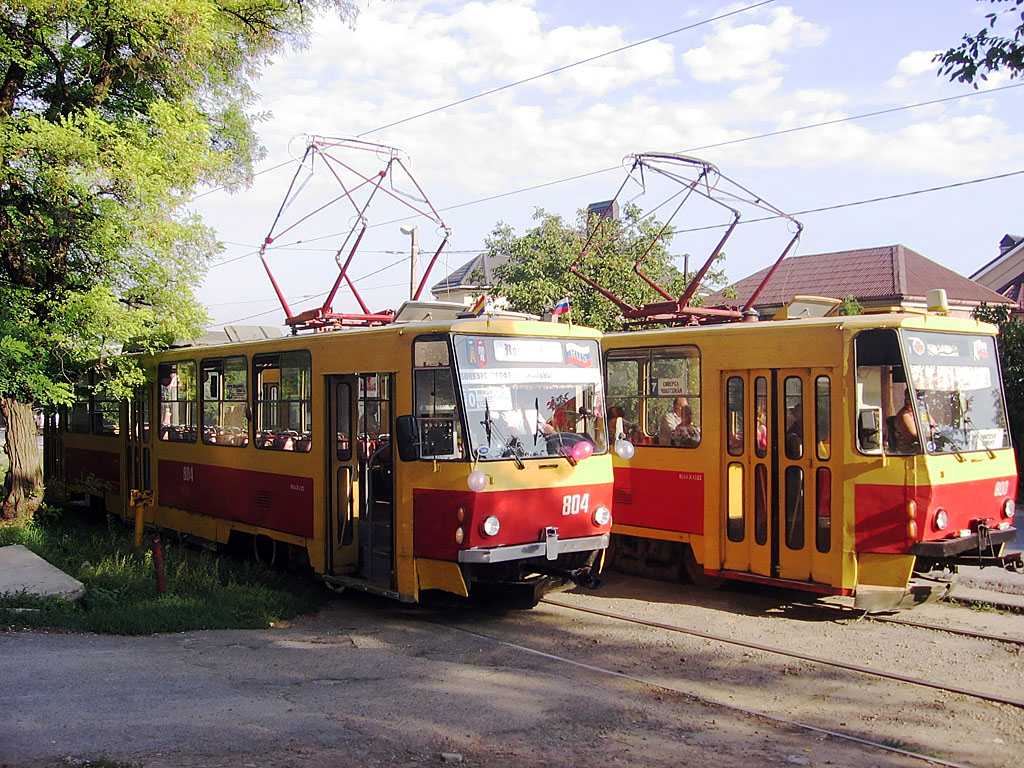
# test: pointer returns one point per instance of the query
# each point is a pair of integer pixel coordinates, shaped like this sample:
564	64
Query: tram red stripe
524	514
279	502
104	466
881	517
657	498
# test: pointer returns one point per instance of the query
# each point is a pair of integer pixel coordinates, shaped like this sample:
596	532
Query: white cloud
747	51
912	65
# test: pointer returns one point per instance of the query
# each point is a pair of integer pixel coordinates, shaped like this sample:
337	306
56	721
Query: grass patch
204	590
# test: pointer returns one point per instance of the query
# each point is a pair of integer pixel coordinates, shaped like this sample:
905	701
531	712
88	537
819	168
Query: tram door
777	482
137	442
362	487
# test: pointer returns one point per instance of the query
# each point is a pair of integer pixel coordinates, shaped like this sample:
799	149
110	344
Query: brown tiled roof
889	273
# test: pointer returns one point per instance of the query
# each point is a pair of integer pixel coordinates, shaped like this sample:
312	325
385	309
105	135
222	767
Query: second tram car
866	455
451	455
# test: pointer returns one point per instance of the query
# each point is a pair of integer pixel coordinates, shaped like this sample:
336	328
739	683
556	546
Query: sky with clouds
557	142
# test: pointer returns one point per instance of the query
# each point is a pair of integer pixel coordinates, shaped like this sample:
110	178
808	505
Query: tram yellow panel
440	574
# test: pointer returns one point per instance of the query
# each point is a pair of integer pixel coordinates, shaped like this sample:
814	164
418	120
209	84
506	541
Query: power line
754	137
565	67
806	212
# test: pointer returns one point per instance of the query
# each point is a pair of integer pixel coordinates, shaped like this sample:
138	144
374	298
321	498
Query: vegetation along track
1014	702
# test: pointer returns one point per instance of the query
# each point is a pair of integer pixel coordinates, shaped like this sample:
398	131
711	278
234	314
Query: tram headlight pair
602	516
1009	509
941	519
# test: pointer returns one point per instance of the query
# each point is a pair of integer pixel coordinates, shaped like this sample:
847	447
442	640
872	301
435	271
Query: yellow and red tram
455	455
865	455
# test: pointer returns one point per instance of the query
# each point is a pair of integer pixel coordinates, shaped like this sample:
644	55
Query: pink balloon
584	449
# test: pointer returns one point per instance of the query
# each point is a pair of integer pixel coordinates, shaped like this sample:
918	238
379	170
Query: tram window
106	412
734	523
823	417
145	398
672	400
794	396
760	504
794	507
624	396
734	416
283	401
882	395
436	413
823	510
178	406
343	420
225	400
78	418
374	413
761	417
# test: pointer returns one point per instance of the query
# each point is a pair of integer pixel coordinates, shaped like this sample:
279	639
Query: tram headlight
941	520
460	535
477	480
602	516
1009	509
490	526
912	529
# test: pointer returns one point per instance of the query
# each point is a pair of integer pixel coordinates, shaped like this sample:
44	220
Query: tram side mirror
407	435
869	429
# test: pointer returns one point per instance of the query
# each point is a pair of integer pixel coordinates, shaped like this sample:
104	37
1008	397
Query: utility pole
414	254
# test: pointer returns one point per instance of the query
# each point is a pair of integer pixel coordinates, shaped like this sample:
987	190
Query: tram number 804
575	504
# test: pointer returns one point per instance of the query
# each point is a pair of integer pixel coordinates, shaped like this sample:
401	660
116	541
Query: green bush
204	590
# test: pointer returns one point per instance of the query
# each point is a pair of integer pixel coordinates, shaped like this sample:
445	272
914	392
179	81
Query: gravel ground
373	683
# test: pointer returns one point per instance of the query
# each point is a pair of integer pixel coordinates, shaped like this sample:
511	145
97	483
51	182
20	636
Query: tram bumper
550	547
981	548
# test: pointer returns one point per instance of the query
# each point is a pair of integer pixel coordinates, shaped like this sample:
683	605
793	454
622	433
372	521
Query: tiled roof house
1005	273
464	284
888	276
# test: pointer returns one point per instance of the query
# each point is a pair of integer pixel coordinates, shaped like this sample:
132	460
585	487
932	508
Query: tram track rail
861	616
701	699
833	663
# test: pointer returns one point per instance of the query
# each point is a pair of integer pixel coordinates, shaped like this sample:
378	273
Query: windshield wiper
981	438
487	423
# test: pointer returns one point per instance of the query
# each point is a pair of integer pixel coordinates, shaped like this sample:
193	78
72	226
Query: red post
158	564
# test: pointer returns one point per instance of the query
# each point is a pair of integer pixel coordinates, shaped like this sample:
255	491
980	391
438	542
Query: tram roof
487	324
920	320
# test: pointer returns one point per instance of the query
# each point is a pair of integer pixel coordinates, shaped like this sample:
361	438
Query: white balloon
477	480
625	449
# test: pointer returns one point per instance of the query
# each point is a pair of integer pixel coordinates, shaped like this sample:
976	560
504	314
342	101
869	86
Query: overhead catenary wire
715	145
564	67
806	212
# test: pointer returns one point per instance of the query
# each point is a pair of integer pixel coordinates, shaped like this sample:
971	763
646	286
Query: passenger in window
677	427
795	433
671	420
686	435
904	425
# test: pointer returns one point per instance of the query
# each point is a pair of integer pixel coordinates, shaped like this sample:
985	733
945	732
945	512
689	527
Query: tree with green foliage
850	306
1011	363
111	113
986	52
536	275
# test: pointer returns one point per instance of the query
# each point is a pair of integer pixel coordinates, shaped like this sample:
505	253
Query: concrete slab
22	570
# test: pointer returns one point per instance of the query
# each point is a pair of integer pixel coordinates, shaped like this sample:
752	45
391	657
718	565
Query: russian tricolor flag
561	307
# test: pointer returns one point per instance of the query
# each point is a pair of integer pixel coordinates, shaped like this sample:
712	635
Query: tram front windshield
957	390
530	397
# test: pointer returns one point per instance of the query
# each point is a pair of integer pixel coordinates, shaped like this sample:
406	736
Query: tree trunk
23	488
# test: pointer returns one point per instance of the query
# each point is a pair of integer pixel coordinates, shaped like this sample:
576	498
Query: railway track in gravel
856	615
832	663
817	730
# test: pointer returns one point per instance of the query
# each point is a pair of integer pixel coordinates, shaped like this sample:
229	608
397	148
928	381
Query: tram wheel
695	571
